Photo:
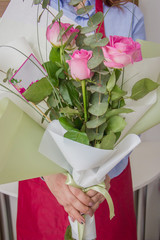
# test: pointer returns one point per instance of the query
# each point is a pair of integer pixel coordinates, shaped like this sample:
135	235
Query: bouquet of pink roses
90	89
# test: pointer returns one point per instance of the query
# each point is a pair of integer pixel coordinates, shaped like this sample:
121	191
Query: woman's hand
98	198
72	199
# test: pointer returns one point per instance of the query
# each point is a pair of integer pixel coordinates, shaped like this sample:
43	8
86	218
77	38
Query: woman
39	214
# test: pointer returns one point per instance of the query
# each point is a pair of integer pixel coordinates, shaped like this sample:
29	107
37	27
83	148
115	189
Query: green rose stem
83	84
122	78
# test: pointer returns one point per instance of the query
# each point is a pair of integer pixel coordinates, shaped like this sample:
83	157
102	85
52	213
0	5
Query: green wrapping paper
20	137
152	117
149	49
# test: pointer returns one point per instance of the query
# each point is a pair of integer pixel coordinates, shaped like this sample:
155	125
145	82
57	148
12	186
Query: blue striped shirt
127	21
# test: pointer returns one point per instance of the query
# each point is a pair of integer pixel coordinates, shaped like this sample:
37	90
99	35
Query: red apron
40	217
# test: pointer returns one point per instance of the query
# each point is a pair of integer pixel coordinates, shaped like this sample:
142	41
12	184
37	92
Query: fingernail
90	204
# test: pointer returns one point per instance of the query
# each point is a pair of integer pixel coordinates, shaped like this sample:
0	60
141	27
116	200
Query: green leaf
98	109
60	74
46	113
102	72
96	122
95	98
80	40
85	30
9	74
96	59
74	94
142	88
95	88
52	101
118	134
114	112
100	43
45	3
84	10
68	233
51	69
67	124
58	16
54	114
111	82
116	124
70	39
98	136
94	135
91	134
92	38
75	2
36	2
122	103
69	111
61	33
118	73
100	88
117	93
108	141
77	136
95	19
38	91
78	123
63	89
54	55
101	129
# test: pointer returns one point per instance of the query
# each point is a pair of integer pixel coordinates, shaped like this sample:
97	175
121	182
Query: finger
78	205
97	197
96	205
74	213
107	178
72	218
108	186
107	182
81	196
90	212
91	193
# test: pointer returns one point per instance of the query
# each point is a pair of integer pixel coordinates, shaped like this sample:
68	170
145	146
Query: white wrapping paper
87	165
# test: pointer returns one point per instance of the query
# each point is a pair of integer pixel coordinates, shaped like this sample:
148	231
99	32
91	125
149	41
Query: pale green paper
149	49
20	137
152	116
150	119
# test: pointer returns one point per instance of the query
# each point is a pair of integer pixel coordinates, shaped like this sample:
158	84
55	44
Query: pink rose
52	34
78	64
121	51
